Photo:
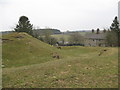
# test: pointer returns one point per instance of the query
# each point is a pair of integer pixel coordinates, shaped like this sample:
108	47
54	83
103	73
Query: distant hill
21	49
50	31
7	32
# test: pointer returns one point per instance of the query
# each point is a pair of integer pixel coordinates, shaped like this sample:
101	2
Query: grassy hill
78	67
22	49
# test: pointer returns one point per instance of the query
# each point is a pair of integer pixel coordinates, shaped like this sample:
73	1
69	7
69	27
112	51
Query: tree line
24	25
112	37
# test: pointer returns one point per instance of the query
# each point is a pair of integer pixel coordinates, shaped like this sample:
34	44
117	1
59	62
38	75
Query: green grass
26	50
58	36
78	67
83	33
66	36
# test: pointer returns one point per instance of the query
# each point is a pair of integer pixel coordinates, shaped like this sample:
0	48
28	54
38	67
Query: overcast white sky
60	14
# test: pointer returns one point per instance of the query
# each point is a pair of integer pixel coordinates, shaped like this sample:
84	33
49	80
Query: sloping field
78	67
20	49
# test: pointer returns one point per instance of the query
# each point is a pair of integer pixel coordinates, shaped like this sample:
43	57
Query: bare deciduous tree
76	38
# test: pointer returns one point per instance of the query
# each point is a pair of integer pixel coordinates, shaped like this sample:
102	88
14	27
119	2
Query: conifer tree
113	35
24	25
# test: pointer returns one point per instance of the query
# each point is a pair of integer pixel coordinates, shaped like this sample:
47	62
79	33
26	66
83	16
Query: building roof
95	36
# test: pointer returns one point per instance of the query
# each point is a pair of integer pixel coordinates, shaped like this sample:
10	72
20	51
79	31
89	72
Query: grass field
78	67
58	36
66	36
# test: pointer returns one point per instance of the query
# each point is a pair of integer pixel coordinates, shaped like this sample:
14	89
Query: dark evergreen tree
24	25
98	30
93	30
115	27
113	36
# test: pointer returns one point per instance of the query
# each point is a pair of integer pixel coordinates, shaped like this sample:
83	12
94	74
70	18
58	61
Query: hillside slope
20	49
28	64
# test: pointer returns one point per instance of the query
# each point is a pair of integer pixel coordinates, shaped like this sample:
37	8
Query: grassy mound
20	49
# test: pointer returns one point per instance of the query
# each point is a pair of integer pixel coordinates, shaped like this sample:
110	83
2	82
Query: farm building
95	39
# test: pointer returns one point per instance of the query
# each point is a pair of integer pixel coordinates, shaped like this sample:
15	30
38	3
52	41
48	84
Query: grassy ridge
78	67
24	50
